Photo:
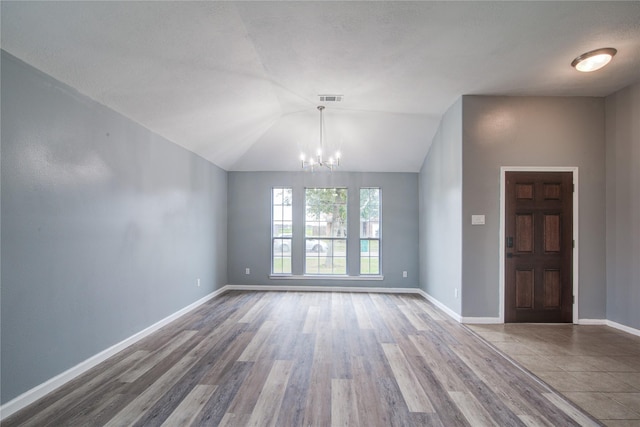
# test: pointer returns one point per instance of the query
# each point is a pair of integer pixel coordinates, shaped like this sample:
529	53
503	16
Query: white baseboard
482	320
455	316
623	328
592	322
314	288
50	385
610	323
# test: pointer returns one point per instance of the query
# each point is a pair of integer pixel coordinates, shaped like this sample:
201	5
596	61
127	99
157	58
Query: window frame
281	254
332	239
377	238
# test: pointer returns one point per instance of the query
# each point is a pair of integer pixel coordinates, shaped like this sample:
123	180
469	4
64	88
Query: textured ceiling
237	82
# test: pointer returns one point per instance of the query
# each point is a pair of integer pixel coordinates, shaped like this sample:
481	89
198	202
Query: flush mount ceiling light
319	161
594	60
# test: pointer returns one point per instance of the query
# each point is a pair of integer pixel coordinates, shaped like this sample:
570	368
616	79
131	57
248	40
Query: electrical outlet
198	282
404	274
247	270
455	292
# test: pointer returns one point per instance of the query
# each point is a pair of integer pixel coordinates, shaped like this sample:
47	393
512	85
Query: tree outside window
326	231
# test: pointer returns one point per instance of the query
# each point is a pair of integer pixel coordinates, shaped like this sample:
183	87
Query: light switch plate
477	219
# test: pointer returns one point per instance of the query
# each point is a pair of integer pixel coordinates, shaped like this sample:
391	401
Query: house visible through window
281	230
325	231
369	231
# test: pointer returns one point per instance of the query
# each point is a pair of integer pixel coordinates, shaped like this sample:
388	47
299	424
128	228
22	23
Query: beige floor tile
538	363
630	400
487	327
572	363
610	364
632	361
595	366
515	348
604	382
565	381
601	406
621	423
551	349
632	378
496	336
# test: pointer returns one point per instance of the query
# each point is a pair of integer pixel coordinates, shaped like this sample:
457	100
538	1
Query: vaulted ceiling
238	82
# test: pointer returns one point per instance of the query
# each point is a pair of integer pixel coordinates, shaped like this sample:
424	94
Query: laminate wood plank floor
307	359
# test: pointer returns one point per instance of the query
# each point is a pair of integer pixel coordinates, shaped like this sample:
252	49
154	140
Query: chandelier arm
310	164
321	108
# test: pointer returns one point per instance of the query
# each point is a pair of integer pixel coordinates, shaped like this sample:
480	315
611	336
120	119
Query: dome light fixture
594	60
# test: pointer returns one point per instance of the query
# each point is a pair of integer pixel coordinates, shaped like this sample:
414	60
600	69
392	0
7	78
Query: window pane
325	231
277	196
369	212
364	265
326	211
369	256
369	231
286	229
281	246
287	213
329	261
287	196
281	230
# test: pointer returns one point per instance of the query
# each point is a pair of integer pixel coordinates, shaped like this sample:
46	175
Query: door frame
501	252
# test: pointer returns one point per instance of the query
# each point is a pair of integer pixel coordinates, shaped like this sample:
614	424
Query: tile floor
596	367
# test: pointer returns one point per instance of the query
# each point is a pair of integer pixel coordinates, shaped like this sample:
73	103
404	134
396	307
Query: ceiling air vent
330	98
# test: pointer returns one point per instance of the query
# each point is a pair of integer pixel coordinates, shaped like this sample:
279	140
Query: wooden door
539	247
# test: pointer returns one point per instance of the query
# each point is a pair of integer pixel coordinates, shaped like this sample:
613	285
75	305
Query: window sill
326	277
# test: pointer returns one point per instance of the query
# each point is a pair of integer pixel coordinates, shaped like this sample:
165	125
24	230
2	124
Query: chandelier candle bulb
332	163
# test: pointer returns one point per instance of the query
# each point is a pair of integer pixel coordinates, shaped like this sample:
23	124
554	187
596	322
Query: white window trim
339	277
305	238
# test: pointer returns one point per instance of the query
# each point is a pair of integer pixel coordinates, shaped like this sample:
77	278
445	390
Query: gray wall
441	212
530	131
250	215
105	228
623	206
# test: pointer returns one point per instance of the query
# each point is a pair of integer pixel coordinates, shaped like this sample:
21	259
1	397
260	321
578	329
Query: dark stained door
539	247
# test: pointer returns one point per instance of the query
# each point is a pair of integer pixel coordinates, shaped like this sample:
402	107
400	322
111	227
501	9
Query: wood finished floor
306	359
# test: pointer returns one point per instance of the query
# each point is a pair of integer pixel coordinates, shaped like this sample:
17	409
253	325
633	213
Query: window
325	231
369	231
281	230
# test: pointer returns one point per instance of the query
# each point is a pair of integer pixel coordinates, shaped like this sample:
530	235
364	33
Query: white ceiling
237	82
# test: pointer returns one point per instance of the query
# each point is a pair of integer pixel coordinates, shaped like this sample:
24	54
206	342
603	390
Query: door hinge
573	299
573	243
574	188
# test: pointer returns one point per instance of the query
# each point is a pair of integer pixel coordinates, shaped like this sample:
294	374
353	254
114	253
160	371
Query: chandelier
318	162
